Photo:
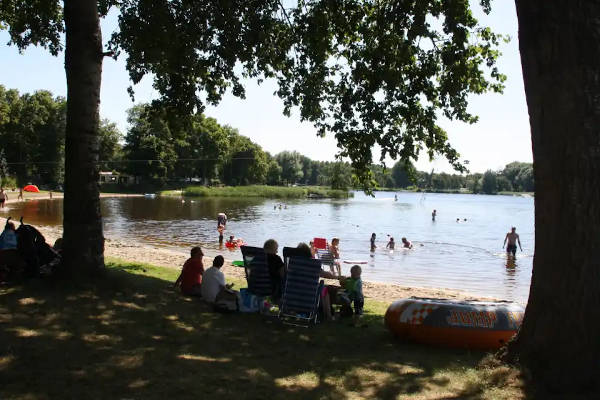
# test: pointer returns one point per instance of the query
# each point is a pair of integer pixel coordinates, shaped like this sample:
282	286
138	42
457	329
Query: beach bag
226	301
249	302
8	239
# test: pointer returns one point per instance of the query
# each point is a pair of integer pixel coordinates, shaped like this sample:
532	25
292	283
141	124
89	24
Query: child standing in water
391	244
335	251
373	246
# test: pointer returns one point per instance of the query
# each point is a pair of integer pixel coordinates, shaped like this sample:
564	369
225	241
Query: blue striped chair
257	272
326	258
300	300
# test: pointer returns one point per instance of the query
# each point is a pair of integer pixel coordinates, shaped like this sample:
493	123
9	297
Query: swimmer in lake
373	246
391	244
512	238
406	243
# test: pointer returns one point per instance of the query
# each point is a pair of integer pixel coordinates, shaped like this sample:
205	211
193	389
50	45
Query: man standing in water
513	238
433	215
221	219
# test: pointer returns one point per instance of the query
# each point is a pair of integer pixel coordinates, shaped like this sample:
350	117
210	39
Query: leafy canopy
371	72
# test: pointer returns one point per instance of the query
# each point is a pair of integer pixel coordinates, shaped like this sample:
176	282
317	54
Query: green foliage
32	132
36	22
369	72
291	166
340	175
110	148
401	174
488	182
275	192
148	145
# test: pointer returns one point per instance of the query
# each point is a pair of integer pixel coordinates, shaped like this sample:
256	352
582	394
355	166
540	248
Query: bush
276	192
8	182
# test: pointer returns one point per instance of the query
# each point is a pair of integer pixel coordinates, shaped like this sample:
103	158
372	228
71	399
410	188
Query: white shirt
212	281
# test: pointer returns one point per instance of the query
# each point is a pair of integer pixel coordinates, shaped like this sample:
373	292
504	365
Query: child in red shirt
190	278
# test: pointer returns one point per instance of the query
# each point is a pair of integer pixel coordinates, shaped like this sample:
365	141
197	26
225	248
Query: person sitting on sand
406	243
391	244
214	280
373	246
276	269
190	279
353	291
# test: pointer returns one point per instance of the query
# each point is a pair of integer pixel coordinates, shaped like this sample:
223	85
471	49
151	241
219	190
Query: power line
128	161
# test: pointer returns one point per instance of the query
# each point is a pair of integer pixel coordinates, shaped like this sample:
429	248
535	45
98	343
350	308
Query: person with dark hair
373	245
214	281
190	279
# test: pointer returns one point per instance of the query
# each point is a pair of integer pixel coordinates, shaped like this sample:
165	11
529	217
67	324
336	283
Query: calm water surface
466	255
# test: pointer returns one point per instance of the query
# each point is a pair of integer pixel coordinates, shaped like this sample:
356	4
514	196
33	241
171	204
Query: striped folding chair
257	272
300	302
326	258
289	252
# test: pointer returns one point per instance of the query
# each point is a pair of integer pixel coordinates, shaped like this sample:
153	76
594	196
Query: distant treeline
160	148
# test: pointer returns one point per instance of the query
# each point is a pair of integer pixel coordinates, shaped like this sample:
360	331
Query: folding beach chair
300	300
289	252
320	243
326	258
257	272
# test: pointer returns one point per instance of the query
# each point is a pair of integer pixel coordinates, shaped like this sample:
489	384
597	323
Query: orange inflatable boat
469	324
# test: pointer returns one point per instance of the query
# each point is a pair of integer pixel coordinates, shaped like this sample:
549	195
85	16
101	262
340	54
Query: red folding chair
320	243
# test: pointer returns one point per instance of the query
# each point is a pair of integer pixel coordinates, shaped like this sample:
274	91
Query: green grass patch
128	334
274	192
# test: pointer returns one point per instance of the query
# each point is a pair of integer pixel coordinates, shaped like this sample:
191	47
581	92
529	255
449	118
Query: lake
465	255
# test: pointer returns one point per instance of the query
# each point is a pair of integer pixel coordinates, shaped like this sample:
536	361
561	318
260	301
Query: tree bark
82	221
559	341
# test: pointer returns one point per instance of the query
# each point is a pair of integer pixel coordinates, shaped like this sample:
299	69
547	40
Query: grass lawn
128	335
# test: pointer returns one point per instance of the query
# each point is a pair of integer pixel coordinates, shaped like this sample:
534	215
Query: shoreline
27	196
141	253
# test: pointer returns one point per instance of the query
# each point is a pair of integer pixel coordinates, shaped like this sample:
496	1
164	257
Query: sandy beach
142	253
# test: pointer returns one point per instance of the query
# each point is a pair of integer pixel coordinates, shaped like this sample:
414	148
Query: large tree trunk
83	237
559	341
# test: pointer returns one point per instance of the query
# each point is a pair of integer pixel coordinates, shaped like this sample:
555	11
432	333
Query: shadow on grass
132	336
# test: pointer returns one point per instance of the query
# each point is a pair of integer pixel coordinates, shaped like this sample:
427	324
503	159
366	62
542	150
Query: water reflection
446	254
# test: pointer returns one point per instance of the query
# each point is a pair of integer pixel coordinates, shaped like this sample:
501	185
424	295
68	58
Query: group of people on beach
210	284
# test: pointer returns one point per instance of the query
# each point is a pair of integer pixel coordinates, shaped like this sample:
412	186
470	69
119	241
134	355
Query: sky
501	136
